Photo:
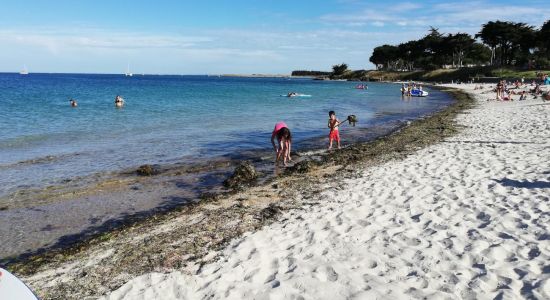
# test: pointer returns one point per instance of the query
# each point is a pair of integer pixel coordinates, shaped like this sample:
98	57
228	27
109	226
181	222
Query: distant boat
24	71
128	72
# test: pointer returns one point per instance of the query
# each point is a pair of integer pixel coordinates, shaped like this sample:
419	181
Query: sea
69	173
171	119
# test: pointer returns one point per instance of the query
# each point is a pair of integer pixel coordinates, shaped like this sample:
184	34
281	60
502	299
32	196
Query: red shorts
334	135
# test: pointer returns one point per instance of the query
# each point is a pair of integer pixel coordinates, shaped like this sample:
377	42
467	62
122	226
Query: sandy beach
463	218
466	218
275	150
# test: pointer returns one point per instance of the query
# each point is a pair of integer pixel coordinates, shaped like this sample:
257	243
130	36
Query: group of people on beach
119	102
505	89
282	133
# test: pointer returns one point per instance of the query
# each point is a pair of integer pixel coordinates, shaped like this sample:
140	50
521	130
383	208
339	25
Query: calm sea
169	119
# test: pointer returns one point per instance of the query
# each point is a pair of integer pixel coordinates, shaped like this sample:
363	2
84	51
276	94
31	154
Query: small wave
23	140
39	160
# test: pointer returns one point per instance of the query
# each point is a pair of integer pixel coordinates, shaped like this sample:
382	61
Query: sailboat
24	71
128	71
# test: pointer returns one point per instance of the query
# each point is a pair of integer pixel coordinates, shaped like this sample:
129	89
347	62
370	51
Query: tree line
498	43
309	73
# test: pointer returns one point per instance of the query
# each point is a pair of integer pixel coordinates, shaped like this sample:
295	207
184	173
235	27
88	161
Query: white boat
128	72
24	71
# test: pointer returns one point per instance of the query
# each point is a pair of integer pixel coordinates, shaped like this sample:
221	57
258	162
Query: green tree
524	44
505	40
385	55
339	69
411	52
458	45
478	54
433	48
543	39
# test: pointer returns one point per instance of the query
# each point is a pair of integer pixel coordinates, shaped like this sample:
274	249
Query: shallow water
169	119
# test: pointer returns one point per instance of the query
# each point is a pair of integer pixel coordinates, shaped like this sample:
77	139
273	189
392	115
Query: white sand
467	218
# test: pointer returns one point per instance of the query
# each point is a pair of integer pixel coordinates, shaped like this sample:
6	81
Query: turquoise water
169	119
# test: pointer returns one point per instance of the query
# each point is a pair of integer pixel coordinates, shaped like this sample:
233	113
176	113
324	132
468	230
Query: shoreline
99	203
252	208
466	218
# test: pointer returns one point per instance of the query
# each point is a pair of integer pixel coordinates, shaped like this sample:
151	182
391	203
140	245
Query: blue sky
200	37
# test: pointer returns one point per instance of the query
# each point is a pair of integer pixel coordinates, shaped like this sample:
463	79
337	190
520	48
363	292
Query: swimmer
119	102
73	103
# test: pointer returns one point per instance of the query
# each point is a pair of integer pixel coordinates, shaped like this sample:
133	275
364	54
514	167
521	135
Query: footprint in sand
416	218
326	273
503	282
447	243
371	264
534	252
521	273
363	223
413	241
271	277
248	277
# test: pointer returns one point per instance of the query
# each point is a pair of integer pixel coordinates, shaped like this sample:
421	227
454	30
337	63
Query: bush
542	63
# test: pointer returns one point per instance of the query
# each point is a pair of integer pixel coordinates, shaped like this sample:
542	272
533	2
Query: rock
301	167
270	212
207	196
244	173
147	170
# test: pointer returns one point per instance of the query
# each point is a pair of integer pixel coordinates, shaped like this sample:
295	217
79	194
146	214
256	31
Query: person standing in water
334	134
284	142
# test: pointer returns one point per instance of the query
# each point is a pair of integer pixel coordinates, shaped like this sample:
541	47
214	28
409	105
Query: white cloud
478	13
103	50
405	7
378	24
449	14
54	40
356	24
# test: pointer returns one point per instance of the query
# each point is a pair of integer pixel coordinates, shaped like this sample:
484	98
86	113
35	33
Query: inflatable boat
418	93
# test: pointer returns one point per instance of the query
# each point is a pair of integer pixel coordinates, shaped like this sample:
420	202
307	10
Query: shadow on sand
537	184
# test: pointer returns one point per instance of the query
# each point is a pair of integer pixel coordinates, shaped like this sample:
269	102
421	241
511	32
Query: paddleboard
13	288
299	95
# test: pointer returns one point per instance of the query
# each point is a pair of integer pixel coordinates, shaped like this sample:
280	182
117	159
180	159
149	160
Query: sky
237	36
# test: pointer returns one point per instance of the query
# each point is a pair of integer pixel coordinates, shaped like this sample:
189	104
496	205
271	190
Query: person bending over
284	142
